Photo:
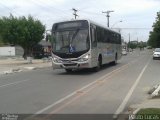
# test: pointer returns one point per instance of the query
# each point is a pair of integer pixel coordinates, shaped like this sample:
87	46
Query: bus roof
90	22
102	26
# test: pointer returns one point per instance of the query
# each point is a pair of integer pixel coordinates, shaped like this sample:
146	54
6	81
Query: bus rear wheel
115	61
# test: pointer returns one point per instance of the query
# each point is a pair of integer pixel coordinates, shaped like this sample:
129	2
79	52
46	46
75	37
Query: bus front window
71	41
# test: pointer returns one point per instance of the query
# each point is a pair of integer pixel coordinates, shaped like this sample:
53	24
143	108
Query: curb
126	115
17	70
14	70
30	68
136	111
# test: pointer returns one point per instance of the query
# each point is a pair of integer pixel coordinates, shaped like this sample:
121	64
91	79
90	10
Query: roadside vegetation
140	45
149	111
154	38
22	31
1	42
148	114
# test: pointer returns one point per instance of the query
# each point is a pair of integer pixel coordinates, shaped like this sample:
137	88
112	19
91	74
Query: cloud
133	13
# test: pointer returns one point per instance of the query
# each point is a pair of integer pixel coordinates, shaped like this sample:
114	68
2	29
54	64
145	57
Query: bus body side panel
105	51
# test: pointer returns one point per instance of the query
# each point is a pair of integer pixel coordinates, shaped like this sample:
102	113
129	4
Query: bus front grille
73	64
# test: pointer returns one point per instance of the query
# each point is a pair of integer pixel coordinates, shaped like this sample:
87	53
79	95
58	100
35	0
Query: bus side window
109	37
93	37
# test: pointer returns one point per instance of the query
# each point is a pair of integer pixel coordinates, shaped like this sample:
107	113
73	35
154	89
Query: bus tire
68	70
115	60
99	64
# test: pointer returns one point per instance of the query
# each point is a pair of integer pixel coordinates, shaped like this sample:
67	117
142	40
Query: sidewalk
13	65
135	108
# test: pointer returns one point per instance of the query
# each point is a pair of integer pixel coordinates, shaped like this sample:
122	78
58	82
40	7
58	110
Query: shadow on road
86	71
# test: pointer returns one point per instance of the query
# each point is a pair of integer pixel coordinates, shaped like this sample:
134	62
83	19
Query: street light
116	23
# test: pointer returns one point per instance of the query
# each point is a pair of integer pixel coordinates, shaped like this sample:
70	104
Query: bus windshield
71	41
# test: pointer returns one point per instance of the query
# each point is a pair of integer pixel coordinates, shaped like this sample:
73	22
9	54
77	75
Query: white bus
82	44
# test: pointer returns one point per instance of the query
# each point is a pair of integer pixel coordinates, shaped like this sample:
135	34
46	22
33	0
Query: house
7	50
42	49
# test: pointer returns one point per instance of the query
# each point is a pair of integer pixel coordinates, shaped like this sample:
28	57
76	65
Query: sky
137	16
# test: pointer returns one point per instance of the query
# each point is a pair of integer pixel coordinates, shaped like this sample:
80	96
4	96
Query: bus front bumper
73	65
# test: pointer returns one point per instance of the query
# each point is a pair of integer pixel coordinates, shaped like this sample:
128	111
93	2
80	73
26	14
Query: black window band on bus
107	36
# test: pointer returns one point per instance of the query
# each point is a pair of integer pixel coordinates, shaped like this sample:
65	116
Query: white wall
7	51
19	51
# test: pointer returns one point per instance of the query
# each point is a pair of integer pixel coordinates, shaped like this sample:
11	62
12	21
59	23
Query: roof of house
44	43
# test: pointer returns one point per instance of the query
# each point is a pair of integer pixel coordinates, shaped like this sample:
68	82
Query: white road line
73	93
14	83
125	101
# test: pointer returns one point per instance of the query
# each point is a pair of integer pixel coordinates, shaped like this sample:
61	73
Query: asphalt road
110	91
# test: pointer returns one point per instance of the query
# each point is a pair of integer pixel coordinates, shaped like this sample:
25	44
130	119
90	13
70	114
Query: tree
22	31
141	45
154	37
1	42
132	45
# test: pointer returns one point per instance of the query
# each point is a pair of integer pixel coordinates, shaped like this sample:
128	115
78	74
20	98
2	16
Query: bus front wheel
99	64
68	70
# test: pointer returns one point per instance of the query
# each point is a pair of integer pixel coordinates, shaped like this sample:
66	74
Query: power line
50	8
88	12
133	28
11	10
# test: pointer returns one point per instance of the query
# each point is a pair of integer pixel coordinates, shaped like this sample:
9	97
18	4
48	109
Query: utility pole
129	43
75	13
107	15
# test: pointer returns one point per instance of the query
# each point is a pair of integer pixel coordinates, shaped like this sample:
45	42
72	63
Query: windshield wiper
71	48
74	35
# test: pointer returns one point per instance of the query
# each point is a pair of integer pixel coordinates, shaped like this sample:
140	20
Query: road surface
110	91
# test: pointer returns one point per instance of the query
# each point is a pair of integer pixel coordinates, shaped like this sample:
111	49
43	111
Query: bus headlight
84	58
56	60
